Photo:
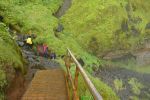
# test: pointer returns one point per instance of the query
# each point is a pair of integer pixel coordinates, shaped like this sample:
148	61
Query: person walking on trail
29	42
53	55
45	50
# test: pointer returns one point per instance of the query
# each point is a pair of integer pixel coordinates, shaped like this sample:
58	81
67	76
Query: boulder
147	26
60	28
1	18
80	60
20	43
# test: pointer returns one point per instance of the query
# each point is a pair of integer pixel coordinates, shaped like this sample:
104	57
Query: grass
37	16
41	21
90	28
134	98
118	83
97	24
10	54
3	83
136	86
105	91
10	57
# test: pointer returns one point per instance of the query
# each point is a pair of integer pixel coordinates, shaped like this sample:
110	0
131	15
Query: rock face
119	57
108	75
59	28
80	60
1	18
143	57
38	62
140	56
147	26
117	25
20	43
62	10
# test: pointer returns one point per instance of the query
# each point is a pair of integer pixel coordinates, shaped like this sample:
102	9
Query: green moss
37	16
102	20
9	53
118	83
91	27
106	92
3	83
134	98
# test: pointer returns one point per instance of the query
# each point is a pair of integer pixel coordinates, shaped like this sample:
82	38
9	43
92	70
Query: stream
62	10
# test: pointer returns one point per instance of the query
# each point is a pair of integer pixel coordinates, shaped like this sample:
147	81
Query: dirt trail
62	10
16	88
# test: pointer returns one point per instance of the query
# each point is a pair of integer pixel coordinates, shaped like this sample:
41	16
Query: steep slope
102	26
11	61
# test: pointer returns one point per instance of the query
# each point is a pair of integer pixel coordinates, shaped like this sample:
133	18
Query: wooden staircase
47	85
56	84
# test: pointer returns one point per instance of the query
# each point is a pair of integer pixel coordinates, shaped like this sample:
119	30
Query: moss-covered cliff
101	26
10	59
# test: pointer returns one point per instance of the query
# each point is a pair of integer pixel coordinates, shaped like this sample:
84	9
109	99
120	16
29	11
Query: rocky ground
34	62
108	75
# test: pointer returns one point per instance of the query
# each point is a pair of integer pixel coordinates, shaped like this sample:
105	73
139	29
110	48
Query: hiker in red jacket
45	50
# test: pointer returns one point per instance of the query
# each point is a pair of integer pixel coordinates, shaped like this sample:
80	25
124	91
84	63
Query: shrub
118	83
136	86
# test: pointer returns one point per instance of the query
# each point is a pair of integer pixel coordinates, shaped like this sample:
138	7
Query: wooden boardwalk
47	85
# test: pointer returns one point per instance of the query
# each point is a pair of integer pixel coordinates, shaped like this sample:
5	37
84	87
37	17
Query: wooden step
47	85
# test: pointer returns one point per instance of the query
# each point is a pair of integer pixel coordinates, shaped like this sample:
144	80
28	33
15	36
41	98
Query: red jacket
45	47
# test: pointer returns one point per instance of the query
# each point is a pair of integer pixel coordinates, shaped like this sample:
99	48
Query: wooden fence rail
70	58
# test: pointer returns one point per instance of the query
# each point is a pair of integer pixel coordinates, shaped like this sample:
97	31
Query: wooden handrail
79	69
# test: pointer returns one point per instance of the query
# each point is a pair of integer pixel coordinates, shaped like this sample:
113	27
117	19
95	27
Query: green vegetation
10	57
37	16
104	25
3	84
142	69
134	98
118	83
136	86
92	28
34	15
106	92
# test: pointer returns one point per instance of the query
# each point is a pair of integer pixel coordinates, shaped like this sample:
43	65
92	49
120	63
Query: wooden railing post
88	82
76	78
